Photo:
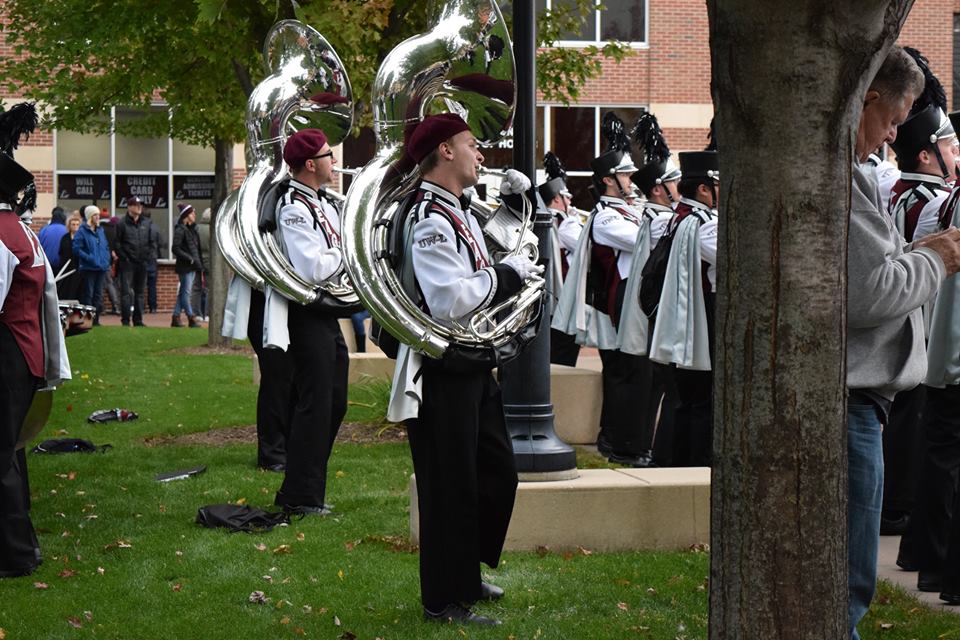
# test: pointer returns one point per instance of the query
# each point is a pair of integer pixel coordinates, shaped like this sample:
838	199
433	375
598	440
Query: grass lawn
123	558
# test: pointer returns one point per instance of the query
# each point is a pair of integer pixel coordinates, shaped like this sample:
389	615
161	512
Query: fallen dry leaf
285	620
301	537
651	591
623	606
268	578
336	621
101	570
260	546
341	474
67	573
543	551
241	502
75	622
340	574
88	615
40	585
347	635
177	587
300	631
123	544
584	552
3	634
284	548
886	625
72	475
257	597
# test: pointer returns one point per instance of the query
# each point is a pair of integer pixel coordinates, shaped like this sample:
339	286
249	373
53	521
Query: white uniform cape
236	311
634	324
680	335
943	345
56	366
573	316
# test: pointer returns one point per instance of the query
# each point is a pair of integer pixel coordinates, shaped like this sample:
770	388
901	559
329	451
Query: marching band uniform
565	233
32	354
915	202
932	541
887	176
683	332
462	456
243	318
308	228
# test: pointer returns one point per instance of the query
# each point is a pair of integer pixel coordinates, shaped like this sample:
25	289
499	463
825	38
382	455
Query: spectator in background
51	235
92	251
157	241
68	288
109	225
186	247
359	330
198	297
134	246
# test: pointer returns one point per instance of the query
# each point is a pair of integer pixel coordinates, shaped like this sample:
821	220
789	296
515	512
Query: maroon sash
462	230
333	238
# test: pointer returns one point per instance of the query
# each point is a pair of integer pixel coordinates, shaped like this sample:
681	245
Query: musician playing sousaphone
466	478
308	230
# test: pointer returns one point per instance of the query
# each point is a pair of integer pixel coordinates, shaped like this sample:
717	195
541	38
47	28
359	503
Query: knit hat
185	210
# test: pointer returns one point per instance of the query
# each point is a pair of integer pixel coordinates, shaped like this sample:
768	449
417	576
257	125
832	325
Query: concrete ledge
577	395
364	366
608	510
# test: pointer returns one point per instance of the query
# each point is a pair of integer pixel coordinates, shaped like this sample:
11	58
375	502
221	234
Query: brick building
668	72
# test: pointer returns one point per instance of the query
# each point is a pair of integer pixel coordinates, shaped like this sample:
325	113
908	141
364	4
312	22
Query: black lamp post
526	380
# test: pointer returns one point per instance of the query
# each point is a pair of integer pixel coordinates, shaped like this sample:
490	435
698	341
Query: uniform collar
613	201
696	204
305	190
874	159
6	206
442	194
923	177
557	212
657	208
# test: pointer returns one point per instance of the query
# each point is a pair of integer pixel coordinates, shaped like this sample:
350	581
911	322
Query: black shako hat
921	130
658	167
700	164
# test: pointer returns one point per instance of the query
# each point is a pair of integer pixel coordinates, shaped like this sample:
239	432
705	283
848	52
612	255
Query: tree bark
219	271
788	82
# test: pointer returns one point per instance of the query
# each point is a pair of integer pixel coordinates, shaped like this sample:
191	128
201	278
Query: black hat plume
553	166
615	133
933	92
648	135
20	119
712	135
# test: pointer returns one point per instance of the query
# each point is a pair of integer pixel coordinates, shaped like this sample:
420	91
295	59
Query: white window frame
645	44
113	171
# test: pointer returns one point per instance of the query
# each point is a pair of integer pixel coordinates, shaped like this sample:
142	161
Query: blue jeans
92	292
865	501
183	294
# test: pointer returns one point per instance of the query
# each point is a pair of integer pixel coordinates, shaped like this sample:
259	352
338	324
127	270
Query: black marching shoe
458	613
905	561
306	510
643	460
928	581
950	597
603	446
490	591
276	468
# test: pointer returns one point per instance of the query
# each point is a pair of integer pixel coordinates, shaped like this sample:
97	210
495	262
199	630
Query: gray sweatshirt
886	289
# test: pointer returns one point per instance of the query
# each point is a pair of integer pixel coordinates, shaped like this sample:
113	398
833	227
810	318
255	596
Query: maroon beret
303	145
428	135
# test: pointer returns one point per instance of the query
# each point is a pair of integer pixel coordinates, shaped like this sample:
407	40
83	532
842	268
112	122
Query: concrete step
607	510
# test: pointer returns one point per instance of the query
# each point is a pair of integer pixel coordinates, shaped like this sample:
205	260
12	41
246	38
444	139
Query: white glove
514	182
522	265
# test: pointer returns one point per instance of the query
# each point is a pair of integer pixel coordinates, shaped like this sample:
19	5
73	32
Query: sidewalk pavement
887	568
159	319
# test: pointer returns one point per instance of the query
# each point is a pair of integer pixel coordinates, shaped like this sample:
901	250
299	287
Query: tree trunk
219	271
789	78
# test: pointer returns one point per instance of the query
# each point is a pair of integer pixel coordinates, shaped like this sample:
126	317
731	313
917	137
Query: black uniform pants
276	398
903	450
19	550
629	411
563	348
693	428
466	483
133	280
665	386
931	521
320	363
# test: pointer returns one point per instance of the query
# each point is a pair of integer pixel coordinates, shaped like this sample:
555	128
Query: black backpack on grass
235	517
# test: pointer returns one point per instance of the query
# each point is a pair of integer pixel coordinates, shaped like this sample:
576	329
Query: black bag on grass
235	517
69	445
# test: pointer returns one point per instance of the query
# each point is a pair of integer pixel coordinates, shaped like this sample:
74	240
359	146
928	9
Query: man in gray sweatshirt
887	284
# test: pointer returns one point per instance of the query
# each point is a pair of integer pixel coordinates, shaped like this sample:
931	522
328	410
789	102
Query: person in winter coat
68	288
134	246
186	248
92	252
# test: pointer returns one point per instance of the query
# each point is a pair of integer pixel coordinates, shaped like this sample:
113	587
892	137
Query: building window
623	20
106	170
